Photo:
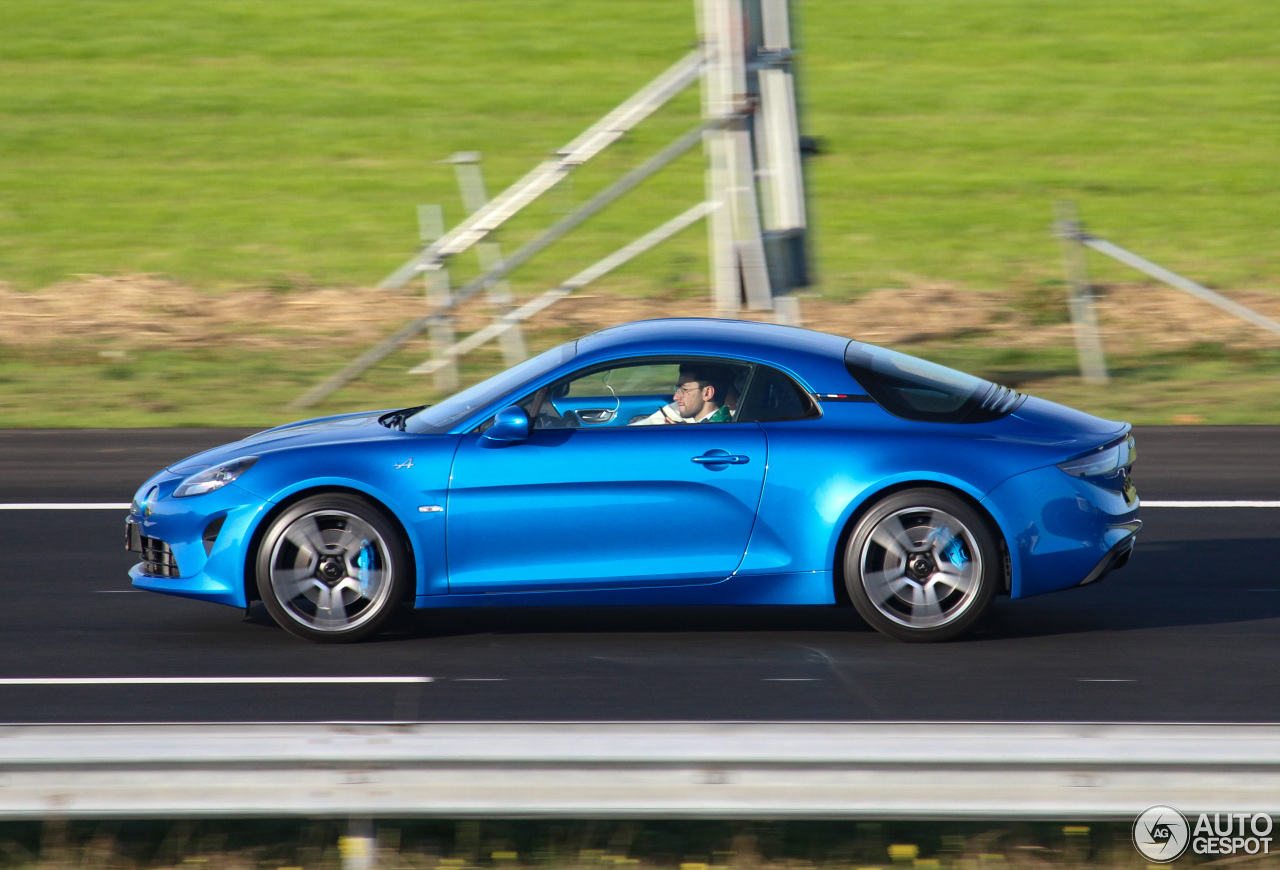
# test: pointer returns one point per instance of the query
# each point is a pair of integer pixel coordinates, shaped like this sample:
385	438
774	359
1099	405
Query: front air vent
157	558
211	534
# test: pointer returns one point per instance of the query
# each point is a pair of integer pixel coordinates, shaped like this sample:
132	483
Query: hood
339	428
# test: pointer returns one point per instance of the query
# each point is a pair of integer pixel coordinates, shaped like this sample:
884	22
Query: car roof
804	350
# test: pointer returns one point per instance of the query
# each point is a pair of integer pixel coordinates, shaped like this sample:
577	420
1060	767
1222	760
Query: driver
700	395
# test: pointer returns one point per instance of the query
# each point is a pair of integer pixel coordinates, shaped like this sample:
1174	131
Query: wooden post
445	376
474	197
1093	363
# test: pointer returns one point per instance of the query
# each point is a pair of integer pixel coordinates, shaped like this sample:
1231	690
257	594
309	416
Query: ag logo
1161	834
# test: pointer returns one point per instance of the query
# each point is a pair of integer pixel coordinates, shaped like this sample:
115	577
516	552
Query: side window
637	380
652	392
772	396
603	398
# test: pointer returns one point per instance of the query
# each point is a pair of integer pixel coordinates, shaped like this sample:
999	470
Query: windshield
437	419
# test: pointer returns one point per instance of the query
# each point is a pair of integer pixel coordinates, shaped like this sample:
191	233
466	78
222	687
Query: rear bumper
1116	559
1062	531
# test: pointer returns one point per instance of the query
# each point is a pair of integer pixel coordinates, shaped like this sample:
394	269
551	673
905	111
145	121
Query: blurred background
576	844
198	199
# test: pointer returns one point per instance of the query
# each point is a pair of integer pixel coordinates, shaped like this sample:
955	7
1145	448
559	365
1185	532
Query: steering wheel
555	421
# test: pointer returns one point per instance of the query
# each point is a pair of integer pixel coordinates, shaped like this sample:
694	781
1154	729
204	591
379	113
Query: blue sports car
664	462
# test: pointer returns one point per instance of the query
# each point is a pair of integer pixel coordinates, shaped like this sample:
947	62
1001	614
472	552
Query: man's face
691	396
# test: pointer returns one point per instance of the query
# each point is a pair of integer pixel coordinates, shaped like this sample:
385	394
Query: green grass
221	142
225	141
954	125
231	143
211	387
223	386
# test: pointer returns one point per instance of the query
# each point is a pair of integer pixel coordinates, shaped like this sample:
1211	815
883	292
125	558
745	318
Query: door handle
596	415
721	458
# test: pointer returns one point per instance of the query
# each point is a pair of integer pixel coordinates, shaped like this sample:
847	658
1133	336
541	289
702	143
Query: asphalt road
1188	632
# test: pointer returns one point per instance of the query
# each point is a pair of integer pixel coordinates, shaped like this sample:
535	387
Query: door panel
603	508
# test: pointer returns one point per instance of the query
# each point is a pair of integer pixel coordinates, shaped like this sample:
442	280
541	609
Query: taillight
1103	462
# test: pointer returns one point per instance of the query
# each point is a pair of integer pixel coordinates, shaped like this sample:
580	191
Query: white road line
791	680
1210	504
200	681
1102	680
67	506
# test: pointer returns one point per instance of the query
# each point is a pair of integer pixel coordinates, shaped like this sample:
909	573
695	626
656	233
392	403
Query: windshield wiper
397	419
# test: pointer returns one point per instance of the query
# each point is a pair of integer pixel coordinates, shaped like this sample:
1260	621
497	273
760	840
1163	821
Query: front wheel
332	568
921	566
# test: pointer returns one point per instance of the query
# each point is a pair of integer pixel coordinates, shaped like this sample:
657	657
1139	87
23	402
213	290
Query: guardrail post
466	165
1093	363
431	228
356	847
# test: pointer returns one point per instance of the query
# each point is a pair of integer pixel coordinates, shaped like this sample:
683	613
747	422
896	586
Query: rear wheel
332	568
922	566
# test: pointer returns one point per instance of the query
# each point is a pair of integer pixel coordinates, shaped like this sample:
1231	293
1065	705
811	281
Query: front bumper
192	547
157	556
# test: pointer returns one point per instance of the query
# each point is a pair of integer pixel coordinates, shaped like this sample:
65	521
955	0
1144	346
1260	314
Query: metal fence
633	770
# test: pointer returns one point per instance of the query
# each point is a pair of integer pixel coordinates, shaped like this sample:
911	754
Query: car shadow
1166	585
632	619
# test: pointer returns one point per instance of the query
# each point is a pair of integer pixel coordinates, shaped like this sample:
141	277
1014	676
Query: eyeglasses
684	391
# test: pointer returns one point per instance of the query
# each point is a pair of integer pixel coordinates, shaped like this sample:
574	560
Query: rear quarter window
916	389
772	397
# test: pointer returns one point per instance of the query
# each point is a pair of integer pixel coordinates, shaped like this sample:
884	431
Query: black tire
922	566
332	569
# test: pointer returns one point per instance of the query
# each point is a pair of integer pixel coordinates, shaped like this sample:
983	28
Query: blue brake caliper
364	562
950	546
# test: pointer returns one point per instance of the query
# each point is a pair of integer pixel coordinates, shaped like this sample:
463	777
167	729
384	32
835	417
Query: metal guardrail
549	173
1186	285
512	319
526	252
666	770
1093	365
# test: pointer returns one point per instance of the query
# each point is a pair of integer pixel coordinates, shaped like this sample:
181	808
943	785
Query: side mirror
510	424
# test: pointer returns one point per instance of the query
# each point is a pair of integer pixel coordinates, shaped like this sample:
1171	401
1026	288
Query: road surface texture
1188	632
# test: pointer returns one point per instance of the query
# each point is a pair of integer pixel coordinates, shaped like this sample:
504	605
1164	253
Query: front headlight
141	504
215	477
1104	462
